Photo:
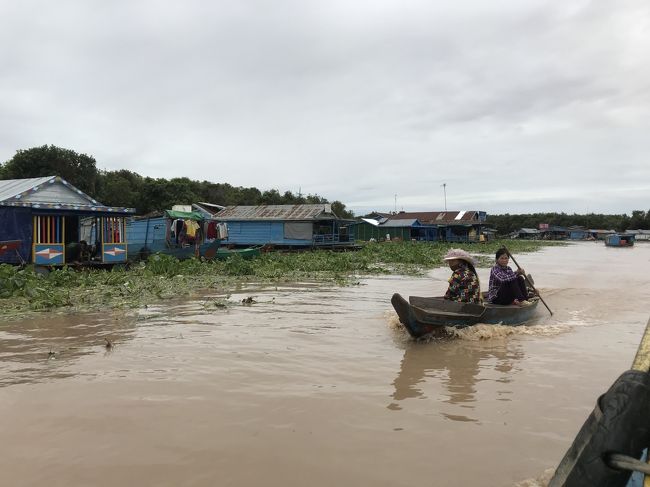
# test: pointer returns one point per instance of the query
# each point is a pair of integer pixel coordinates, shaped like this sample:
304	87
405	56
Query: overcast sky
518	106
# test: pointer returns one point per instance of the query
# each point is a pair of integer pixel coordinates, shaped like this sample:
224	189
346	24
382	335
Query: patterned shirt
464	286
499	275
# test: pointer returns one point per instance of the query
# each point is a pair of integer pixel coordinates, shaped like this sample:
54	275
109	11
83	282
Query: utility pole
444	189
396	203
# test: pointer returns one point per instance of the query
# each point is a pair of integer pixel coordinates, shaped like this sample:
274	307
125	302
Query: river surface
318	385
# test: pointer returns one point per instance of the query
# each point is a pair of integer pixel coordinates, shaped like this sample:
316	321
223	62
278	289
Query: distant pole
444	189
396	203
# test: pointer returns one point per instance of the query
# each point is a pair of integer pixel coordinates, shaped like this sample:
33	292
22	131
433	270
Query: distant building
445	226
286	226
640	235
600	234
577	233
552	232
526	233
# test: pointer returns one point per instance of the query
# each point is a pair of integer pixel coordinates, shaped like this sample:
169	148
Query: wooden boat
422	316
246	253
619	240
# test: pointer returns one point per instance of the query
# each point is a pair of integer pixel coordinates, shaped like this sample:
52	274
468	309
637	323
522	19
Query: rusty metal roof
431	217
277	212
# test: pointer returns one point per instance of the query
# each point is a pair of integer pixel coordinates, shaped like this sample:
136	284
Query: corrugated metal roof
372	222
51	193
428	217
408	222
276	212
10	188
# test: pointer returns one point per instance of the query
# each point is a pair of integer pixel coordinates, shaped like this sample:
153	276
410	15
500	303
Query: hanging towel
222	231
212	230
191	228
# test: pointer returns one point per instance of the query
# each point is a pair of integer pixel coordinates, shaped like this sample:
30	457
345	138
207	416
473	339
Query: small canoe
247	253
422	316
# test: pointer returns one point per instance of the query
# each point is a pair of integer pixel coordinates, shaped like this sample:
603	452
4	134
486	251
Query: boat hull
422	316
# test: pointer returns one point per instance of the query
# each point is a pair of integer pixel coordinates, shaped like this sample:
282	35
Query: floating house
294	226
48	222
445	226
640	235
578	233
553	232
600	234
182	234
526	234
620	240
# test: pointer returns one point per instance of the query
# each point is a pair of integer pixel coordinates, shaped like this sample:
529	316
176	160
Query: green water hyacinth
162	277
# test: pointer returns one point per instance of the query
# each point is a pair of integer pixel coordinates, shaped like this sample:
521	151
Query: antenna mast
444	189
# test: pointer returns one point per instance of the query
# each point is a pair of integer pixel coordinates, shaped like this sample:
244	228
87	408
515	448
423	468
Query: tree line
129	189
505	224
126	188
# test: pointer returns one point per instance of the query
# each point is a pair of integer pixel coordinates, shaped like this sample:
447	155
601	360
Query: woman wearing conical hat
464	285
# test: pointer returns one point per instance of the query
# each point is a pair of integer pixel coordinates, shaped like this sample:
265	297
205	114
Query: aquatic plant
164	277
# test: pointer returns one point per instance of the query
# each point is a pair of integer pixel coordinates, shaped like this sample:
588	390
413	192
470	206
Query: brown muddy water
318	385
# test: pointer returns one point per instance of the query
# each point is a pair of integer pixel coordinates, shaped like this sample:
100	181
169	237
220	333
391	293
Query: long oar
529	282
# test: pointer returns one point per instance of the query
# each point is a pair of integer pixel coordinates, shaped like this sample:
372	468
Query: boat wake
482	331
541	481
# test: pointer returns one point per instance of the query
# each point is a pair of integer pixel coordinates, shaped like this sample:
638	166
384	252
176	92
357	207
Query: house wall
260	233
366	231
156	235
16	224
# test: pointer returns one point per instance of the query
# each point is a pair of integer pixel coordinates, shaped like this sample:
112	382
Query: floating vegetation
163	277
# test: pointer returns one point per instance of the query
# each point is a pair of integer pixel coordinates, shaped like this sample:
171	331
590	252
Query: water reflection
458	366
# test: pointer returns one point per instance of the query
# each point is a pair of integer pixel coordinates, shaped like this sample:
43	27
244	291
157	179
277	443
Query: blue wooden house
182	234
577	233
312	225
47	221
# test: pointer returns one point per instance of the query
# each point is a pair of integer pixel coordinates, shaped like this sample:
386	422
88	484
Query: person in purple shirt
507	286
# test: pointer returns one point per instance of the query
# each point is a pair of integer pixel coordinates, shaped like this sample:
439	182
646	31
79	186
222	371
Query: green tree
79	170
120	188
339	210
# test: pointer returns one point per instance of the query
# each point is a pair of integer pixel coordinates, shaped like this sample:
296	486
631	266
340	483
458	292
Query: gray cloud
516	105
